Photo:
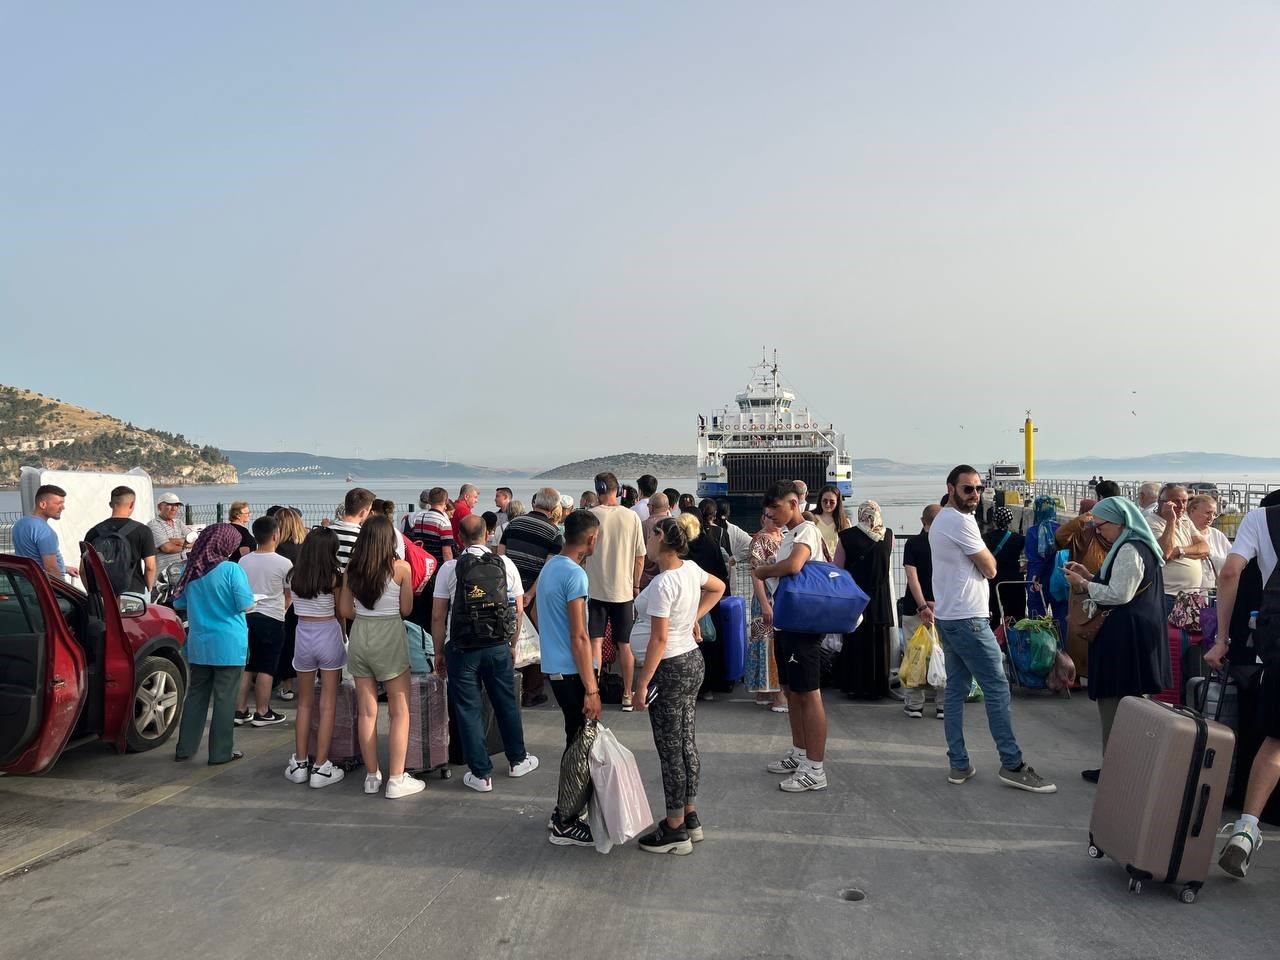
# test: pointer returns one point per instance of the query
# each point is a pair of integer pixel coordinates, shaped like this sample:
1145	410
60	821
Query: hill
259	464
627	466
36	430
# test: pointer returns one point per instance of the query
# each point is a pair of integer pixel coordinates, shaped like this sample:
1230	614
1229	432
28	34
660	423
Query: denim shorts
319	646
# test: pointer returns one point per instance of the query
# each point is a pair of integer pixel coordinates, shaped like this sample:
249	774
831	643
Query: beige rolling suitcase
1164	778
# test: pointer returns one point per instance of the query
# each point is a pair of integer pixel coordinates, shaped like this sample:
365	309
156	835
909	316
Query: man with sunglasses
962	565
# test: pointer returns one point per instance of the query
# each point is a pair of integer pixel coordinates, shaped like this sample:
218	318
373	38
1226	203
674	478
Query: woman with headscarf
866	551
216	595
1041	550
1006	546
1129	657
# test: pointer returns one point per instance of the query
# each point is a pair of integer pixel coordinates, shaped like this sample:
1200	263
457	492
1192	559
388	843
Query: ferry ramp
139	857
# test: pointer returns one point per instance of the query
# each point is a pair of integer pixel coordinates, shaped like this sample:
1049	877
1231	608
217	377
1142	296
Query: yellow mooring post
1029	449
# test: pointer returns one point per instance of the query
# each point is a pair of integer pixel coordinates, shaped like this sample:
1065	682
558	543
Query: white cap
566	502
169	498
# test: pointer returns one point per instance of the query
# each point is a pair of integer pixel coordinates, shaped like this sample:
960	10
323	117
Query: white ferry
742	451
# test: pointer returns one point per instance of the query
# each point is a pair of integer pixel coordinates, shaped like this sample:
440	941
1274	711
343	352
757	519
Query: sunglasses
970	488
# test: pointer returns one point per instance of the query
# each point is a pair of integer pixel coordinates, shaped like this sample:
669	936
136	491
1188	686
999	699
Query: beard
960	505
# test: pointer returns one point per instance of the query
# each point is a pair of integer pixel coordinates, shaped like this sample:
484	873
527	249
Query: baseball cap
169	498
566	502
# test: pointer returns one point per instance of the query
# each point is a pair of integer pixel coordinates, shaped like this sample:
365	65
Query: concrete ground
139	857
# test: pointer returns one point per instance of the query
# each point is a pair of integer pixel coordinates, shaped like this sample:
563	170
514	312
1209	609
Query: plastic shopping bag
575	774
599	833
937	675
914	670
528	651
619	789
1041	645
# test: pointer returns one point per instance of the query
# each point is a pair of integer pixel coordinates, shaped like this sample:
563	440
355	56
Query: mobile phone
650	696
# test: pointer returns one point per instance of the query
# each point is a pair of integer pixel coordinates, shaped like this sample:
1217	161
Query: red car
78	666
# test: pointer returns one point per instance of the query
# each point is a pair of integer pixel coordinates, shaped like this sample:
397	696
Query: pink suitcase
344	748
428	726
1164	778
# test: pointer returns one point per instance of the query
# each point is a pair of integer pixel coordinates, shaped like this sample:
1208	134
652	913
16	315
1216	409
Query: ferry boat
742	451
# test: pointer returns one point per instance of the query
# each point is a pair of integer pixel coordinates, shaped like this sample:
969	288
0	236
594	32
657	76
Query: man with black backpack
479	600
127	548
1257	539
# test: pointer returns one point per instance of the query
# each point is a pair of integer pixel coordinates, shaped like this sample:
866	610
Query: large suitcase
492	735
344	747
428	726
1159	799
733	621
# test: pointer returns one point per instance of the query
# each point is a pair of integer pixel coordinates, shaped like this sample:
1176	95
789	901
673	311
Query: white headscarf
870	521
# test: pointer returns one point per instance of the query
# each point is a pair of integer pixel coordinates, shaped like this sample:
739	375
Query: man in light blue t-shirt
566	651
34	538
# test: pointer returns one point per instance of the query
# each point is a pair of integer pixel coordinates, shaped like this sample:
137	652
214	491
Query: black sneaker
693	826
242	717
576	834
267	719
667	840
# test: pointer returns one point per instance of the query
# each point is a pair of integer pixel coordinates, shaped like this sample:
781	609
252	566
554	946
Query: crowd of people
276	608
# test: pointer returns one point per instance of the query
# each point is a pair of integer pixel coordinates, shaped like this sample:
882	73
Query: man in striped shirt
528	541
430	527
355	508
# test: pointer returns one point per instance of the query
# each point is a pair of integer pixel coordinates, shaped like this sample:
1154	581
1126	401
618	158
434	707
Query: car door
117	670
42	670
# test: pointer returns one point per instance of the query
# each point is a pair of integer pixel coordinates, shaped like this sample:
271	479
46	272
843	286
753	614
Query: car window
19	606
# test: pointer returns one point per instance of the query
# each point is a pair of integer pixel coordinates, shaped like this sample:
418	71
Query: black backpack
1266	635
479	616
119	558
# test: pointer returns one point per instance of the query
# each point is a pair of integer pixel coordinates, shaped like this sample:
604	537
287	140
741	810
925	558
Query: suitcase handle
1200	810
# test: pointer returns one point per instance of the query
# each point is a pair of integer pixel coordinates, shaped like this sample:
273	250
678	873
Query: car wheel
158	693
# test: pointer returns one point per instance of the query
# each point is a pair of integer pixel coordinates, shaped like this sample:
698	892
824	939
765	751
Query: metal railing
312	513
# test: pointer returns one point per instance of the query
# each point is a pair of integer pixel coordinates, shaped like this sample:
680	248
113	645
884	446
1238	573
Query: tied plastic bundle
619	791
914	671
528	650
575	773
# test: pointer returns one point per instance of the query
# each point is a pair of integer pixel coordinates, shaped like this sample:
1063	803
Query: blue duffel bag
821	598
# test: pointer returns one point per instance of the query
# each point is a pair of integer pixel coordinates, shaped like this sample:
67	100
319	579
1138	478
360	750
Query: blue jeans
973	654
491	668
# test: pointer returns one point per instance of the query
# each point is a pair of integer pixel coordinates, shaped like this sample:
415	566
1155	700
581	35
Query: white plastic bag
599	833
528	650
833	642
937	676
619	791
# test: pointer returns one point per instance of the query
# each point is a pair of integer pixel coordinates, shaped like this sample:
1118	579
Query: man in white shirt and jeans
798	654
962	564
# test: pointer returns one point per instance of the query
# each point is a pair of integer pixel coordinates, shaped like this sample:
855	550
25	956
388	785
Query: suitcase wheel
1135	885
445	773
1094	852
1188	895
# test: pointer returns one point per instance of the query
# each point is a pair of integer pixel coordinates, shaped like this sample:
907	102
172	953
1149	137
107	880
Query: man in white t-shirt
1256	539
798	654
962	565
648	486
614	571
482	661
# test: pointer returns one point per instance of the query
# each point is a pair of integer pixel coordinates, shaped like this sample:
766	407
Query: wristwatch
1181	553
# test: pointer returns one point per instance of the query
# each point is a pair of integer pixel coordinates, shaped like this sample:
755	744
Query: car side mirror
132	606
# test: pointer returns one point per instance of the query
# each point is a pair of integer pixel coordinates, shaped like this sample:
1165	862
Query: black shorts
266	640
799	657
1269	701
622	615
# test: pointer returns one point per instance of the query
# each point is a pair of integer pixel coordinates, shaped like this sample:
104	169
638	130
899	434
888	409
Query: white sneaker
326	774
405	785
806	778
788	763
1238	852
476	784
527	765
298	770
373	782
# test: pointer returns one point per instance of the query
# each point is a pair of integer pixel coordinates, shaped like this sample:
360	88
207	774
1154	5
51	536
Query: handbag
818	598
1187	608
1086	627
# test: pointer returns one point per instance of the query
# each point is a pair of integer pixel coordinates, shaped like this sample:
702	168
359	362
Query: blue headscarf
1046	515
1125	512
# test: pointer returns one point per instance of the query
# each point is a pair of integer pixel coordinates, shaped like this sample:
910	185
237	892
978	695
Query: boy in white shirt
798	654
268	574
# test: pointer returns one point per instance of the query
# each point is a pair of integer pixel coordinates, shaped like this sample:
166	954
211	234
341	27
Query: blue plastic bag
820	598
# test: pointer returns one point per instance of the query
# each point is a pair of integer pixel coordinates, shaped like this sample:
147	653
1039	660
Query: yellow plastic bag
914	670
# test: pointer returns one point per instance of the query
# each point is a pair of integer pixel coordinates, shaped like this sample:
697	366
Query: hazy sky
523	233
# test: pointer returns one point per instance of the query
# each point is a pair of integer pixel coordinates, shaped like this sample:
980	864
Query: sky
520	234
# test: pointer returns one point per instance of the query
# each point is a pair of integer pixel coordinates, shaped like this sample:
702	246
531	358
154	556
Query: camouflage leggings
671	715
